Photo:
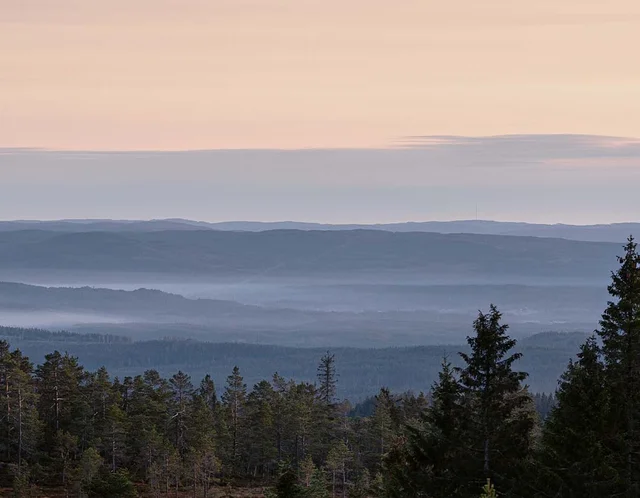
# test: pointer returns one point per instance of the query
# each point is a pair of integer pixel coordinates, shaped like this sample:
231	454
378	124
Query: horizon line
341	224
398	143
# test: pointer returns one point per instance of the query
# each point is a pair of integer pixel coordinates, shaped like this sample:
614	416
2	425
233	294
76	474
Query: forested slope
362	371
296	252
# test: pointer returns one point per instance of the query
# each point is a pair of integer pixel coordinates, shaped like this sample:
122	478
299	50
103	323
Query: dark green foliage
428	459
575	433
498	412
479	426
620	335
113	485
234	400
362	371
327	381
287	485
64	426
591	440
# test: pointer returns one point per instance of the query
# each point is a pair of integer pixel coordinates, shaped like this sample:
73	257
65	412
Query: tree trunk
166	469
486	457
19	430
333	484
113	449
629	413
6	392
195	481
57	400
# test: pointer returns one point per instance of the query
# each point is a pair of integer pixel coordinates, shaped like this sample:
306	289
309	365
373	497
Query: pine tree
208	392
308	423
499	412
114	435
326	414
338	461
317	486
620	335
282	413
147	403
59	380
362	486
200	441
234	399
384	421
86	471
20	426
182	390
61	408
261	429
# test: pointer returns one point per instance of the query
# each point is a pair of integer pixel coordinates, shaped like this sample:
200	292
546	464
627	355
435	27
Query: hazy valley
203	300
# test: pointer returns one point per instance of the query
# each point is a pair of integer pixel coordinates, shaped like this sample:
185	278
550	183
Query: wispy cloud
543	178
513	150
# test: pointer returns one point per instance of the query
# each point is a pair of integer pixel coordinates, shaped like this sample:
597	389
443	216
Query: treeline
95	436
362	370
40	335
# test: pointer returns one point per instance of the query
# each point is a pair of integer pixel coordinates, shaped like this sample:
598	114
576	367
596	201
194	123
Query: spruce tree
429	462
498	411
574	454
620	335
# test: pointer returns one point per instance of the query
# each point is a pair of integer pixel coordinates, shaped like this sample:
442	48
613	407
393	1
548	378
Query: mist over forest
262	292
302	288
396	319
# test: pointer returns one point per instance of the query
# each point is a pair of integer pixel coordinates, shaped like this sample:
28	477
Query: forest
478	431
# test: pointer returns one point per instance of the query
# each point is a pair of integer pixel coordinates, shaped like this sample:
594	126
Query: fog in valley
298	288
183	296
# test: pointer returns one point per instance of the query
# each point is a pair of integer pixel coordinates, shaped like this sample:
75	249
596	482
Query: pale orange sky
195	74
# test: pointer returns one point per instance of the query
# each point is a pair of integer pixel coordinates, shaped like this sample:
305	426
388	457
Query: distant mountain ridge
301	252
615	232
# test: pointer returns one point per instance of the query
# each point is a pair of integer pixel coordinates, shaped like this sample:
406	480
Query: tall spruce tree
620	334
574	458
498	411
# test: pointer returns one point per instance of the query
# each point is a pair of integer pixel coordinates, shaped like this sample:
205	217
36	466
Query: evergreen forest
478	431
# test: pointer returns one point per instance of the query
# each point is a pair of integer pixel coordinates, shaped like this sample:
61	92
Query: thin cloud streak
538	178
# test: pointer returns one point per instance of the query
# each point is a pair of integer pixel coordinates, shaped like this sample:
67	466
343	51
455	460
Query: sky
306	109
209	74
577	179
